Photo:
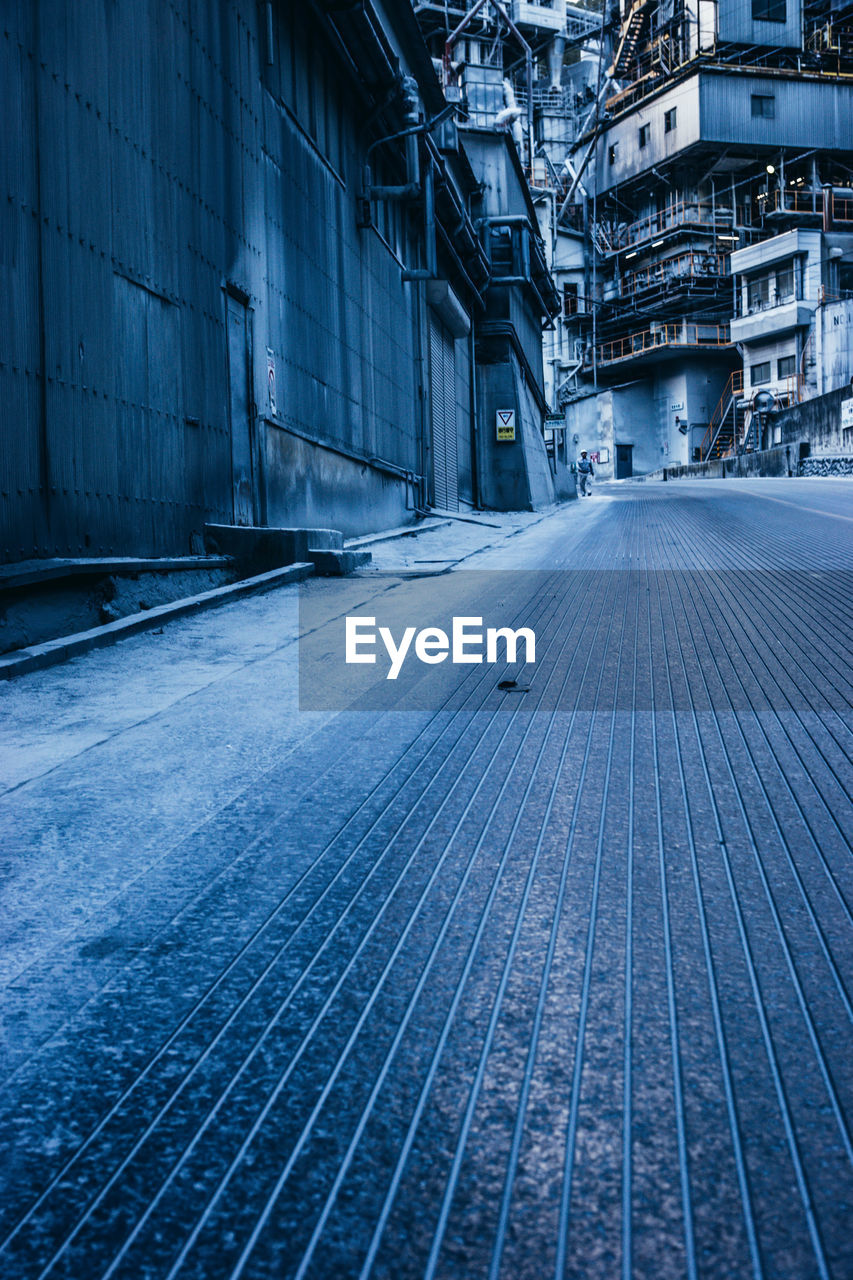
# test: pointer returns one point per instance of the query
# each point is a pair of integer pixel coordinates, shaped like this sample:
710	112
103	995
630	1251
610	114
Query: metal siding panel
450	401
153	169
443	399
436	368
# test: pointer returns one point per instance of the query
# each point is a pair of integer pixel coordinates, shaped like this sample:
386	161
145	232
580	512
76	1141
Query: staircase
629	41
726	428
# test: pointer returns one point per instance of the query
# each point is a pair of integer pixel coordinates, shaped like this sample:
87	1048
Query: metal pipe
577	177
269	35
814	184
407	192
460	266
531	283
465	223
429	221
503	220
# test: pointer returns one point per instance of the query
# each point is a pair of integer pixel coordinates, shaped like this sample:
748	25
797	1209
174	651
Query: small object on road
513	686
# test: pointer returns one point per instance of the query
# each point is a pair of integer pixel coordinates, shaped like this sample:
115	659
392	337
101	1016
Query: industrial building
669	147
719	157
256	276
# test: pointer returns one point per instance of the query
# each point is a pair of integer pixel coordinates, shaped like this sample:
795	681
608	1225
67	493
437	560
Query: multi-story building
529	71
791	325
721	129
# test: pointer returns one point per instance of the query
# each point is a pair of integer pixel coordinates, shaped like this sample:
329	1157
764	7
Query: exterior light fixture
732	238
630	255
655	243
771	168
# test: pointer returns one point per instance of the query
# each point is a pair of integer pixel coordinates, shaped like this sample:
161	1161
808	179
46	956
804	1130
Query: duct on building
512	114
557	47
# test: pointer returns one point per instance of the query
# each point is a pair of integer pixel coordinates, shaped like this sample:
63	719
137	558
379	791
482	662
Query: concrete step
336	564
260	548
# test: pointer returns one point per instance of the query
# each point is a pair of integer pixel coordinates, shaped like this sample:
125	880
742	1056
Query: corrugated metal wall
442	371
151	159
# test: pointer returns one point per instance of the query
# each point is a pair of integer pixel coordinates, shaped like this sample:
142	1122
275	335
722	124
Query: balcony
684	271
775	318
841	209
680	215
658	341
797	202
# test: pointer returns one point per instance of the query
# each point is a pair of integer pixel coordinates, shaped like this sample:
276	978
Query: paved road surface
457	981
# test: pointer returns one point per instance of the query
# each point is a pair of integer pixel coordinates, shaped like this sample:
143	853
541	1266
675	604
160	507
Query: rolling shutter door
443	400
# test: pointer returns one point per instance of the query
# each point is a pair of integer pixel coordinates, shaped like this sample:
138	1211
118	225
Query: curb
52	652
391	535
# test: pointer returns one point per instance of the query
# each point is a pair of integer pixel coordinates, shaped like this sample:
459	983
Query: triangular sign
505	415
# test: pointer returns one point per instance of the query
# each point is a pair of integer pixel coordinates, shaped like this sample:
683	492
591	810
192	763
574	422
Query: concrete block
337	564
257	548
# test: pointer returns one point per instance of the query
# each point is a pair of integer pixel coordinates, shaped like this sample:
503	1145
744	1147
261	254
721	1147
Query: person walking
585	474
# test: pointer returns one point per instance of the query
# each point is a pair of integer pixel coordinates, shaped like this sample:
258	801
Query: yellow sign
505	423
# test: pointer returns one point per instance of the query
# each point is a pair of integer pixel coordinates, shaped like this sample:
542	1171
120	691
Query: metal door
624	461
443	400
240	409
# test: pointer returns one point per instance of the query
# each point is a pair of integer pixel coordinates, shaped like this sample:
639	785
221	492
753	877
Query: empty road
310	973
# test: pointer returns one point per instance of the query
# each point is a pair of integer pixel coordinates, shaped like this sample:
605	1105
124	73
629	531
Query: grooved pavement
553	983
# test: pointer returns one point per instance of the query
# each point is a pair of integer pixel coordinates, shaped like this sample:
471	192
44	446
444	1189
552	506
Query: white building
781	285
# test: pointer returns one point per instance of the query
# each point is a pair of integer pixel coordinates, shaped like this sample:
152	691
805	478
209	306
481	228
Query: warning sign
505	422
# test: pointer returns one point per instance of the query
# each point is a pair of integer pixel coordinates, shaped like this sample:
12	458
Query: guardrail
683	267
666	335
680	213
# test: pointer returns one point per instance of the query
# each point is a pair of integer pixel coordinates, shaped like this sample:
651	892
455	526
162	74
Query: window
763	105
669	118
611	153
769	11
758	294
644	134
787	366
785	283
570	300
759	373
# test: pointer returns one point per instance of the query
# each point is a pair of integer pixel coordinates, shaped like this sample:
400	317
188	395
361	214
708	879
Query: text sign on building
505	424
846	414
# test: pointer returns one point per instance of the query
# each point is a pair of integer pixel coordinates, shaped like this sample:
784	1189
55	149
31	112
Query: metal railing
793	200
832	39
795	387
666	335
680	269
841	208
759	305
711	439
680	213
